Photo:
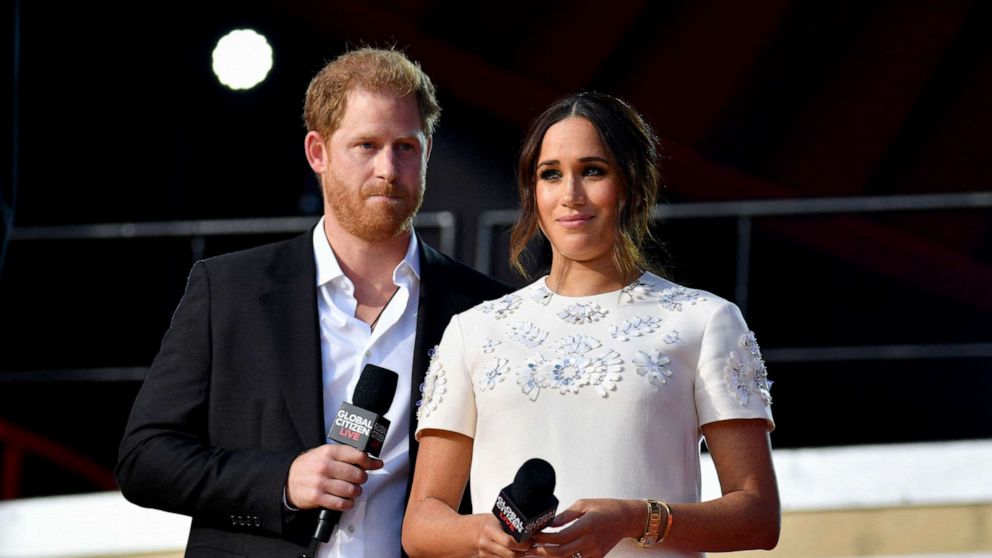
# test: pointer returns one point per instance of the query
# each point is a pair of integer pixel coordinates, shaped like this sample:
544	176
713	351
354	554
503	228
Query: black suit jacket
235	394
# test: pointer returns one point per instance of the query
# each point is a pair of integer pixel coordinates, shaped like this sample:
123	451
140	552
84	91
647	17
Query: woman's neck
572	278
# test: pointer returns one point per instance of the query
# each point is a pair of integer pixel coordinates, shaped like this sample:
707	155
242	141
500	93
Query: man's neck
369	264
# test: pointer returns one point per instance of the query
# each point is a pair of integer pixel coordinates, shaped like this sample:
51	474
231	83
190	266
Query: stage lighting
242	59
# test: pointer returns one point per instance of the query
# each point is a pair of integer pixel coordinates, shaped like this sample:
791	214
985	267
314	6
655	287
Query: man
230	425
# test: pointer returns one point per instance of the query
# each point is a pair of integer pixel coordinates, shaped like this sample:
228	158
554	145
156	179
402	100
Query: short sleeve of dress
448	401
733	381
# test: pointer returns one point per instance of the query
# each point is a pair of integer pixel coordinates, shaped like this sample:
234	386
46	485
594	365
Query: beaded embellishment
746	374
583	313
572	368
527	334
434	387
653	367
503	306
541	295
637	327
674	298
490	345
494	372
638	291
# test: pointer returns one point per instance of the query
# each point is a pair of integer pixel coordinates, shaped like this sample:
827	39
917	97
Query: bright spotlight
242	59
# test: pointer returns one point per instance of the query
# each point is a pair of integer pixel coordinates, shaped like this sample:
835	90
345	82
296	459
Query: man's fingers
328	476
341	489
348	454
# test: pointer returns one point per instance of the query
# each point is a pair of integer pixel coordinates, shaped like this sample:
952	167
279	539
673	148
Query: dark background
114	116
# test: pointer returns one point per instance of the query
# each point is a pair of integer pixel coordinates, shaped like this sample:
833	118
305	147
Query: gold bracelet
668	522
653	524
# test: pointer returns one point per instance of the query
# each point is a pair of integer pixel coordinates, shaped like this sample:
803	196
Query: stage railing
489	221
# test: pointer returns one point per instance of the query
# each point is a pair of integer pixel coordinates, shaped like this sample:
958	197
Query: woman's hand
599	524
494	541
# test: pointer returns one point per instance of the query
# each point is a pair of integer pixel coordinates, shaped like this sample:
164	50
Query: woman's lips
574	221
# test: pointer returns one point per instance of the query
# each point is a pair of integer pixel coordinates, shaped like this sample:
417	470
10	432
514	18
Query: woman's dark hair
634	148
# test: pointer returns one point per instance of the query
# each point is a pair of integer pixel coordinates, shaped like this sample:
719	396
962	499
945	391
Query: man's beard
382	223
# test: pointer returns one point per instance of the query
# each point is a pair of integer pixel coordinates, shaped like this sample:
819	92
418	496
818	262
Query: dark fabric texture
235	394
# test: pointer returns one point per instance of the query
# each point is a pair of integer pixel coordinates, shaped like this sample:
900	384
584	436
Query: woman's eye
593	171
549	174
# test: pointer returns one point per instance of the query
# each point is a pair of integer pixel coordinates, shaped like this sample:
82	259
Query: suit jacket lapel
291	309
434	310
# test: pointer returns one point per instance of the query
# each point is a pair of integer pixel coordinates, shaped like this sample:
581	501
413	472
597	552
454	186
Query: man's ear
316	150
427	151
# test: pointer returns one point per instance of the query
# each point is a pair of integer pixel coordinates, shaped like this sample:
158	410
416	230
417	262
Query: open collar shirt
372	528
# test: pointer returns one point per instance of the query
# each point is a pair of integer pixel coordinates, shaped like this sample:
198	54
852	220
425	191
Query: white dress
611	389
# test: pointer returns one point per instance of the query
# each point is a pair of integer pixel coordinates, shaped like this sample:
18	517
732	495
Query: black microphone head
375	389
533	486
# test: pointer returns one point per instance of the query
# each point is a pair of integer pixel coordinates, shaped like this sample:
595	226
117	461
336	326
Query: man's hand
328	476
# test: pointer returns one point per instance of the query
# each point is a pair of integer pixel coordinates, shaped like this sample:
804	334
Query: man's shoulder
264	253
456	276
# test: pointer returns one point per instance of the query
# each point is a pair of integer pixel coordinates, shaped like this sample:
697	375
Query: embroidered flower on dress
606	373
542	295
527	334
582	313
634	328
746	374
577	344
653	368
490	345
638	291
503	306
568	372
433	389
674	297
493	373
528	377
671	338
572	368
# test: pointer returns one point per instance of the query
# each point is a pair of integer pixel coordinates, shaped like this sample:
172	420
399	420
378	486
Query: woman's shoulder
674	297
508	303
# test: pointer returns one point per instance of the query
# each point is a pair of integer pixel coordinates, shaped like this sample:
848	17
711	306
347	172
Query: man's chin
380	231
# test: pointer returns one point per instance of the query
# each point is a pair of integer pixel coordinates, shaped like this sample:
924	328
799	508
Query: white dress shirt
372	528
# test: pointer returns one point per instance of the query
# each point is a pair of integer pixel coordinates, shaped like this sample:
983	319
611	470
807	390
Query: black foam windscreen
533	486
375	389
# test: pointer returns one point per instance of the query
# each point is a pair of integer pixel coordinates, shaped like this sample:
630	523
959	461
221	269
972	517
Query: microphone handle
325	524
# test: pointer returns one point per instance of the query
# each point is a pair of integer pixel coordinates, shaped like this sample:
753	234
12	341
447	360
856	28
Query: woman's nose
574	193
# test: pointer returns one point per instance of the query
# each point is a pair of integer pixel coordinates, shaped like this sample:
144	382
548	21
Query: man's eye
366	145
407	147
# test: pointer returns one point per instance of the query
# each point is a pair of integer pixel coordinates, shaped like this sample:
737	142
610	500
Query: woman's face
577	192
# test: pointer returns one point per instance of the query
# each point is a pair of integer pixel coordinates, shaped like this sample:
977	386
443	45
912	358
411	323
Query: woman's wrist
657	524
638	519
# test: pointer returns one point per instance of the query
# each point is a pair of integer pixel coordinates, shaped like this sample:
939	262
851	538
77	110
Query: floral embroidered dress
611	389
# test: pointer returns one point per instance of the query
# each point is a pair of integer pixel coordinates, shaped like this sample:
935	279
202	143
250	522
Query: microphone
528	505
361	425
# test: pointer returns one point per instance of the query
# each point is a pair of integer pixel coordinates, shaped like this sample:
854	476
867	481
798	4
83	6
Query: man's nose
385	165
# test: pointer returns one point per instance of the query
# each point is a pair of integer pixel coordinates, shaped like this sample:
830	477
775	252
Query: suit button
302	556
232	521
258	521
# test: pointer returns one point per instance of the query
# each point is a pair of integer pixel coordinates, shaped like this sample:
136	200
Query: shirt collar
329	269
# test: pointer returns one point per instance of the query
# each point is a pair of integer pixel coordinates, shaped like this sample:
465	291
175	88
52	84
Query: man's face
373	182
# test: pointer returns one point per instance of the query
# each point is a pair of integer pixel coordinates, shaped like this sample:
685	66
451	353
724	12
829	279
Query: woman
610	373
